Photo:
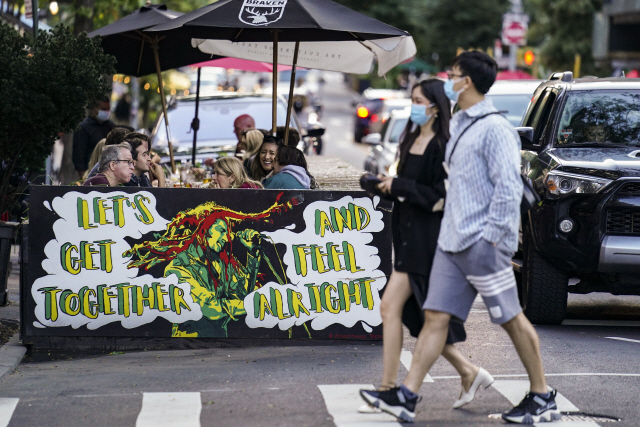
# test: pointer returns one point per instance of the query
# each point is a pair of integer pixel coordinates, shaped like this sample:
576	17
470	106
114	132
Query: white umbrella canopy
355	57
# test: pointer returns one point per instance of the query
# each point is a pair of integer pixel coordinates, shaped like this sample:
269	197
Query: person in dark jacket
92	129
418	193
290	170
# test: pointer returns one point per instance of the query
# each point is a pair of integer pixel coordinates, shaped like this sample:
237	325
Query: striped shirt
484	186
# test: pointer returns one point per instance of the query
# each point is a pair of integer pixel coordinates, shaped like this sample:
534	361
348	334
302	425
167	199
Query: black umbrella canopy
133	49
296	20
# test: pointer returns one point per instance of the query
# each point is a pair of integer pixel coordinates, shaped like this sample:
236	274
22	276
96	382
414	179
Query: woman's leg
465	368
396	294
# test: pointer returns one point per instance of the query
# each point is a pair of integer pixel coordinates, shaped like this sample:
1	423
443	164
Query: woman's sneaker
534	408
393	401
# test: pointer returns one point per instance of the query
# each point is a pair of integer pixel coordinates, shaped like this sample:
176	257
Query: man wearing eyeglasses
114	167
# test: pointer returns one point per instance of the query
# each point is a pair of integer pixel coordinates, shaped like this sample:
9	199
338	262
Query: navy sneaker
393	401
534	408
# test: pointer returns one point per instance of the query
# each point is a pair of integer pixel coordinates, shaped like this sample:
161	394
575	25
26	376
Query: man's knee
436	319
518	323
389	308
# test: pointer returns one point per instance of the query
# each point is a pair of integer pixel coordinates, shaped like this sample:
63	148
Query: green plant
45	86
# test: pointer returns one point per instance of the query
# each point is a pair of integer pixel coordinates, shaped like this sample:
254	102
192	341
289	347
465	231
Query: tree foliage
563	28
44	87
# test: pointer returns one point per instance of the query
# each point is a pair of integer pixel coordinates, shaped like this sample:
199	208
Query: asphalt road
593	362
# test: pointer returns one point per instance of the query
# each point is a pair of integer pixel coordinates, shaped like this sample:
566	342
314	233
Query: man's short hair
111	153
117	135
480	67
135	143
138	135
288	155
294	136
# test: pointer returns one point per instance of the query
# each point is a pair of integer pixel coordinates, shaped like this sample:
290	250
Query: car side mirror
315	131
526	138
372	139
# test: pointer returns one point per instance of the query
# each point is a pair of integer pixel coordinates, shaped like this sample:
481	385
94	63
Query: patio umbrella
316	34
137	53
513	75
242	65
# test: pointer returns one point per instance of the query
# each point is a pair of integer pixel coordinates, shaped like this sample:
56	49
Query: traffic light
529	57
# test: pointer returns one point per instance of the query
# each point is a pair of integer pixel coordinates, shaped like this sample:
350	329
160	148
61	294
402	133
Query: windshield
600	118
216	120
396	130
512	107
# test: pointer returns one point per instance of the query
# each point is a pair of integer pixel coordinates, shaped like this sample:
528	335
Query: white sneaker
368	409
482	379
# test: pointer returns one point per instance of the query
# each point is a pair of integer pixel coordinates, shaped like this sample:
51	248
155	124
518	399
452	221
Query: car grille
630	189
623	221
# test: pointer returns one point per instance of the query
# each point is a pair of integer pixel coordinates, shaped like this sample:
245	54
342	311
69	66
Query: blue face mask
419	114
448	90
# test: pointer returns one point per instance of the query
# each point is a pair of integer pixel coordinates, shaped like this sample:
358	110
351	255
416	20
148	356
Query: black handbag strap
455	144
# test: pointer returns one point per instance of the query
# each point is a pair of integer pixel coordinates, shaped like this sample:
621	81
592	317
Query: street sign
514	29
28	9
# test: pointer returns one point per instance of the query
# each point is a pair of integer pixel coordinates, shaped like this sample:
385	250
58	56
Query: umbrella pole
164	105
291	85
195	124
274	101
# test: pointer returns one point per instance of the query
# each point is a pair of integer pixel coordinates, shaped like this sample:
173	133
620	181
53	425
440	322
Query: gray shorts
457	277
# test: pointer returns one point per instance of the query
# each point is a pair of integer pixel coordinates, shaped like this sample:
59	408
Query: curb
11	355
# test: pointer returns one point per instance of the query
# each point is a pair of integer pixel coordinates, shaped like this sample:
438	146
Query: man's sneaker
394	401
534	409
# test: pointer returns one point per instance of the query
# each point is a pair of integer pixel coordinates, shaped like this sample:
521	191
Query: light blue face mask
448	90
419	114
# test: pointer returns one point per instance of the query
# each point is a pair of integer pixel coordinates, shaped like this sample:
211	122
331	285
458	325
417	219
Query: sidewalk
12	352
333	173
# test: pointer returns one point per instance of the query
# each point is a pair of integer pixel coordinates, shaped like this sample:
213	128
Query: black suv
581	152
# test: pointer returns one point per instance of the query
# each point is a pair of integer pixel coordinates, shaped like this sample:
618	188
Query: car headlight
563	183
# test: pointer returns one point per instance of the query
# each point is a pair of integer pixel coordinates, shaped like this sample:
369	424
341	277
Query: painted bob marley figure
201	248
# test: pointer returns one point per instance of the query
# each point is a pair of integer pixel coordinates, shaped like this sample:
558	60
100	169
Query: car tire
357	136
543	289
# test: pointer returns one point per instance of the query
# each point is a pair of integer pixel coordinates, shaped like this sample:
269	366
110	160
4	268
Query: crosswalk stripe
7	406
406	357
515	391
342	401
170	409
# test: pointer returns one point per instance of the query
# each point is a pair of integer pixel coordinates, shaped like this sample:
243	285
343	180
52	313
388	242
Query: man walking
92	129
478	236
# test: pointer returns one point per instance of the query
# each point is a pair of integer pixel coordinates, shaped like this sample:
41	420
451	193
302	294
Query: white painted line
343	401
170	409
406	357
581	322
570	374
7	406
623	339
515	391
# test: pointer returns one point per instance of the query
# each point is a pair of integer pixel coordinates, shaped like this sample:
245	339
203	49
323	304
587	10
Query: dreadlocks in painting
198	246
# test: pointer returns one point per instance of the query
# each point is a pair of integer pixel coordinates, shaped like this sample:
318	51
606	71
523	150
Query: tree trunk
67	173
84	16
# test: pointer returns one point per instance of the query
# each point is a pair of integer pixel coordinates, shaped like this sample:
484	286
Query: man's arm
502	154
80	148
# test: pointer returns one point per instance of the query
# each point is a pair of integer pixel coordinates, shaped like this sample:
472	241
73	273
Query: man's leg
525	339
428	347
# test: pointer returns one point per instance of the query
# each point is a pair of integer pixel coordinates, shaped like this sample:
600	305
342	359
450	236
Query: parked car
512	97
384	145
581	152
216	113
374	109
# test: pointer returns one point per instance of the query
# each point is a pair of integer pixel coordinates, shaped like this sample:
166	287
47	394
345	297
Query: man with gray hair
114	167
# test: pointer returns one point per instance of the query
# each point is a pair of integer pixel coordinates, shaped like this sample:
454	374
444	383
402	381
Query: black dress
417	212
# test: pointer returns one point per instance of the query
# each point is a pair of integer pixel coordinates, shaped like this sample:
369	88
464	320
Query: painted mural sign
206	263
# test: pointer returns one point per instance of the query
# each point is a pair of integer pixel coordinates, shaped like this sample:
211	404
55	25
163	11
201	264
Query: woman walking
418	193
